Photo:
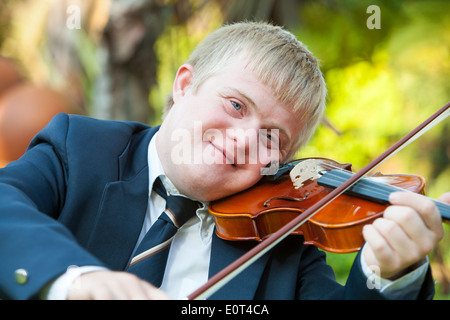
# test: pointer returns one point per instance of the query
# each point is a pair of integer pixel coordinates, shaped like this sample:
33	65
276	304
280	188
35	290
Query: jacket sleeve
317	280
363	288
34	247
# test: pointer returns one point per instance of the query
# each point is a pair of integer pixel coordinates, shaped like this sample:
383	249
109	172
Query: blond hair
278	60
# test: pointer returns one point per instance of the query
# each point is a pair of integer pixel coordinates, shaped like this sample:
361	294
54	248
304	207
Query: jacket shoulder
83	132
65	125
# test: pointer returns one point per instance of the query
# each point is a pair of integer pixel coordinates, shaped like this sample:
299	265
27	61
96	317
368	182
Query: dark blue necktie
150	258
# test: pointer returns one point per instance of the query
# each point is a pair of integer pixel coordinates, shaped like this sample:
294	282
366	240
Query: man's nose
245	143
243	137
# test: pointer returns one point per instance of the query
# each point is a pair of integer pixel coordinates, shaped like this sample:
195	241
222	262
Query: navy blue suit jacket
79	195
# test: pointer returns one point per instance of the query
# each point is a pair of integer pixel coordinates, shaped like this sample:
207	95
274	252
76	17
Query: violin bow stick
225	275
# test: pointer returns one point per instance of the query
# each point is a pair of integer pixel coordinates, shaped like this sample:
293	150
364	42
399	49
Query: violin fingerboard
370	190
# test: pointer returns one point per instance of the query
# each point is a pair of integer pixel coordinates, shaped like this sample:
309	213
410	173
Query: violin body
266	207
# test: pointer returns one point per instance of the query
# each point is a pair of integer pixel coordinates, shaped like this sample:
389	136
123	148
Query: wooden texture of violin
266	207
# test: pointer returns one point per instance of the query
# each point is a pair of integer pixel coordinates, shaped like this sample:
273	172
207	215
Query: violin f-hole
266	203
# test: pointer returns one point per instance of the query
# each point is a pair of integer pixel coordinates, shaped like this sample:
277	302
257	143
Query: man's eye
236	105
271	138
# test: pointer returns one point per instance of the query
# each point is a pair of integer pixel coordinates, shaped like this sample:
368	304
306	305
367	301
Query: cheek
268	155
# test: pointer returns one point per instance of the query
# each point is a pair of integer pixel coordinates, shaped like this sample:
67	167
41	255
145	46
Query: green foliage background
382	82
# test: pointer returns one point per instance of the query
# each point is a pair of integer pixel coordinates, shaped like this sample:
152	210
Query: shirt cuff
58	289
405	287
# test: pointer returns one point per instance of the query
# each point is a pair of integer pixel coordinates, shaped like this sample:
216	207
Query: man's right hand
111	285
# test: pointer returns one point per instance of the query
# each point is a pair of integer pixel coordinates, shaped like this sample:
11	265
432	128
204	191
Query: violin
263	209
305	201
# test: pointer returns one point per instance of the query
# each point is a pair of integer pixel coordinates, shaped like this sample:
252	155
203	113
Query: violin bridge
303	171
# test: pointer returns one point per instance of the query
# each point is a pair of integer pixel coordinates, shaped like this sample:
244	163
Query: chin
212	182
206	188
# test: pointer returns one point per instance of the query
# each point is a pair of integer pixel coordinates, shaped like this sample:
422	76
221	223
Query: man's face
215	141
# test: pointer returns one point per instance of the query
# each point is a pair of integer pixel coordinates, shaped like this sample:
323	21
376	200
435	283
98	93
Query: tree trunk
127	61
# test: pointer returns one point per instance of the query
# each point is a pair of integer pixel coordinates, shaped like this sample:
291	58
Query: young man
76	207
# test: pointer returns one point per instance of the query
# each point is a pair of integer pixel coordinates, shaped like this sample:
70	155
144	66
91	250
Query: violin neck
370	190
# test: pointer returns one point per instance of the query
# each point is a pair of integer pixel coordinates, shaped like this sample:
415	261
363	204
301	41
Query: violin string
363	188
376	191
375	187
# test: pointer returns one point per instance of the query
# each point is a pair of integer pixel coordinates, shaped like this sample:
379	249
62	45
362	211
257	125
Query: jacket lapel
123	206
122	212
245	284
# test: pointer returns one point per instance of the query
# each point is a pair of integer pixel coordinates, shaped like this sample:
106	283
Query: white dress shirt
189	255
188	262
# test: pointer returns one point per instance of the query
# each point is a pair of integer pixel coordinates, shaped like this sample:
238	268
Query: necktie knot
151	255
179	209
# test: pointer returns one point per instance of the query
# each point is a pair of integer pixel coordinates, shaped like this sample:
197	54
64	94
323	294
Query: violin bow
224	276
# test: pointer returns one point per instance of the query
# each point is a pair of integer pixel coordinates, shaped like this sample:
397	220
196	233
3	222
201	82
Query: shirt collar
155	169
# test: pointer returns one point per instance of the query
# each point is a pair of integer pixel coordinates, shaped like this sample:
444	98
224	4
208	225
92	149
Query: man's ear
183	81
